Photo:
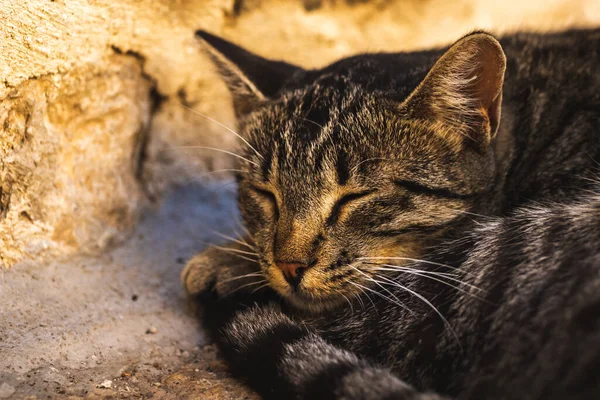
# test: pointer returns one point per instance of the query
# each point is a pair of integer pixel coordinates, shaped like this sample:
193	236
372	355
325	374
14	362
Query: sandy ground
118	325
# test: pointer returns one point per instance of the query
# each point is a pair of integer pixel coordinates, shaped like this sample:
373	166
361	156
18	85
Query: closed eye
269	196
418	188
338	207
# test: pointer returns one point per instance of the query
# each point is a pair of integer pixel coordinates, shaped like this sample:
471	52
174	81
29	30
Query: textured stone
67	155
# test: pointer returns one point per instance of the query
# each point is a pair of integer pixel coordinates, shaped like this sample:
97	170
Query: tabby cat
419	225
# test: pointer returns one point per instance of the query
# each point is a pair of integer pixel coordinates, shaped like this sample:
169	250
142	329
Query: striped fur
445	255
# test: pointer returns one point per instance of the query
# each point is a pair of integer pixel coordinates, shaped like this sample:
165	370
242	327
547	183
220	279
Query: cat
419	225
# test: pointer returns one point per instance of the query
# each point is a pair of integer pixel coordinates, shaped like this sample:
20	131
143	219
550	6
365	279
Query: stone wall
97	98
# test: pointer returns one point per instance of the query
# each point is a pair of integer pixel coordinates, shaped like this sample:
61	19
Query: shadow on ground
117	325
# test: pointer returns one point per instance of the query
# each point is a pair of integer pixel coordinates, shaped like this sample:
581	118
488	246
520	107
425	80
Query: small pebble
6	390
134	297
196	370
152	330
157	384
107	384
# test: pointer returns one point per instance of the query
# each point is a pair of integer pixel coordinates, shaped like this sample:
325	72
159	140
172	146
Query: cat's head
339	180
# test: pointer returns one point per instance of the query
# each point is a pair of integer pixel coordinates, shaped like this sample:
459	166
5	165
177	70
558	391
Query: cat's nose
292	271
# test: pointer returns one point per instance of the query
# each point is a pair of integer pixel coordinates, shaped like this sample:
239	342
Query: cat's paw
199	275
220	273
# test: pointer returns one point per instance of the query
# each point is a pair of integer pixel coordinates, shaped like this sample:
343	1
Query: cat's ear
250	78
462	93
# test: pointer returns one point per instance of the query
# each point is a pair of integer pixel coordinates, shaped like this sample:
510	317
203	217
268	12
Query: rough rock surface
66	159
98	99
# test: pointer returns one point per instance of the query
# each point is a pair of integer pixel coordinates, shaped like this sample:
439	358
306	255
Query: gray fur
496	294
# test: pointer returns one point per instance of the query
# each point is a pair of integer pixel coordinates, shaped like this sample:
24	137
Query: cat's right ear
250	78
462	93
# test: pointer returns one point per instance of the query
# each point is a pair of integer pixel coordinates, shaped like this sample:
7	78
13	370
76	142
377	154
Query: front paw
199	275
220	272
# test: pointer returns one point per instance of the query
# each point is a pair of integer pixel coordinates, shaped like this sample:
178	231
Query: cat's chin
313	304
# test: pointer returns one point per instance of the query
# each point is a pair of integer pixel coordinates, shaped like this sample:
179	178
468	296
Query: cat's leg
282	358
223	270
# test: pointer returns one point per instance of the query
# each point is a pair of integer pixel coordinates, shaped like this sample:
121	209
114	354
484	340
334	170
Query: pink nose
291	270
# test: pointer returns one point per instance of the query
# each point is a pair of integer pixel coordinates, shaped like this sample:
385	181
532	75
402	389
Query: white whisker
225	127
250	275
311	121
240	241
260	287
217	170
232	250
381	295
349	303
217	149
448	276
362	289
415	260
424	300
398	302
408	271
248	284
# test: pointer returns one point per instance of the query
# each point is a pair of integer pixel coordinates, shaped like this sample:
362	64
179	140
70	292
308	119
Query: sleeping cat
419	225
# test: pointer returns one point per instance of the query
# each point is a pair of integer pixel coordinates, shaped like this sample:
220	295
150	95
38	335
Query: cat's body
503	305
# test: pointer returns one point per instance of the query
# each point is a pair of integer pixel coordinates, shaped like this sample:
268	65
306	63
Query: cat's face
340	182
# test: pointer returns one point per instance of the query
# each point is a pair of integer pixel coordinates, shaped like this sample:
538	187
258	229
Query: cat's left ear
462	93
250	78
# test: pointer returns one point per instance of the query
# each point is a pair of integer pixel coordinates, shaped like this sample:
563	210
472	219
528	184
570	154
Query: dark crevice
142	137
238	6
4	200
312	5
183	98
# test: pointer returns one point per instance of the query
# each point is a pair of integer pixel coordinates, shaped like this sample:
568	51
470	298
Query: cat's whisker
223	126
219	150
349	303
243	227
250	275
416	260
248	284
220	234
240	256
383	296
219	170
392	267
446	275
232	250
424	300
260	287
245	258
474	214
358	298
238	241
362	289
408	271
207	176
310	120
221	187
397	300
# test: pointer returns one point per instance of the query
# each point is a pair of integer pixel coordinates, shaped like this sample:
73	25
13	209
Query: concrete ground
117	325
